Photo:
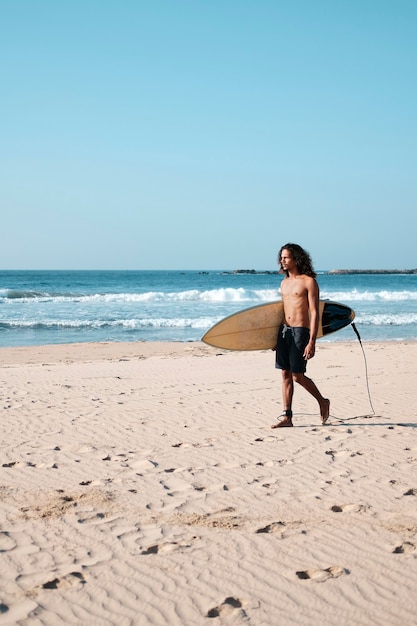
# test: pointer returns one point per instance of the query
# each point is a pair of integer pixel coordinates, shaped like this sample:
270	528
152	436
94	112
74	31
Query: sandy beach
142	484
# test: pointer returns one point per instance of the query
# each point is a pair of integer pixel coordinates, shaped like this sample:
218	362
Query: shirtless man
297	335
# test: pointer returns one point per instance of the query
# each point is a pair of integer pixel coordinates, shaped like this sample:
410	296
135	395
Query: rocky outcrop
251	272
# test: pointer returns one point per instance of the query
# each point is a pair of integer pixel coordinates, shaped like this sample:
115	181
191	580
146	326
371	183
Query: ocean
50	307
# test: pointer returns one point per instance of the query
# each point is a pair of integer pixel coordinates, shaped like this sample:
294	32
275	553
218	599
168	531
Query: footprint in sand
229	606
164	547
404	548
91	518
143	465
343	508
269	439
336	453
275	527
321	575
7	542
65	581
199	487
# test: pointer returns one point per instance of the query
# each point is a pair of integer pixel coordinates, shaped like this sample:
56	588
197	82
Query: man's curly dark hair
301	257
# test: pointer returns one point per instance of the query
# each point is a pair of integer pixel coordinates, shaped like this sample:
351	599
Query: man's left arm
313	305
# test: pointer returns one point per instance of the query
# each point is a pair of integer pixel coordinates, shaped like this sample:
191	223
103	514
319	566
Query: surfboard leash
366	365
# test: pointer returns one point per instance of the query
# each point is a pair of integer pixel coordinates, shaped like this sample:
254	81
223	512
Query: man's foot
325	411
285	423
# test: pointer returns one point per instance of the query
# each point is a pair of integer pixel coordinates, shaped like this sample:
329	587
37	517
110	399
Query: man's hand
310	351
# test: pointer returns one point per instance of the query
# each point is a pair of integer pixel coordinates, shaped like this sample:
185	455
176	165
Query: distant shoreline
413	271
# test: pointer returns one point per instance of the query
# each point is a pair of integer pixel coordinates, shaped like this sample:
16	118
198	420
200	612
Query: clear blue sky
203	134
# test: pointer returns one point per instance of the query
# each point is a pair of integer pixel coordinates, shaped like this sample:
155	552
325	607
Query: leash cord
366	365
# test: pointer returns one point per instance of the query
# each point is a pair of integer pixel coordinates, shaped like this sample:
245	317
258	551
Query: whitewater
46	307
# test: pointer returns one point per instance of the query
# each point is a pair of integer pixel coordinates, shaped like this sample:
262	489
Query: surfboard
256	328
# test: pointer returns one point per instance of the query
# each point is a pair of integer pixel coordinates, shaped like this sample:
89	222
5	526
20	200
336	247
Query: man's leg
287	395
287	389
310	386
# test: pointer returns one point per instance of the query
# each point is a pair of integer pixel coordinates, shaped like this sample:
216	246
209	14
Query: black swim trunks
291	344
